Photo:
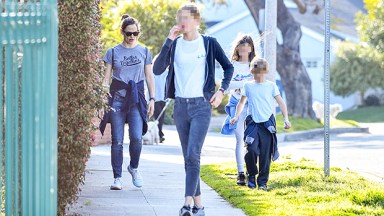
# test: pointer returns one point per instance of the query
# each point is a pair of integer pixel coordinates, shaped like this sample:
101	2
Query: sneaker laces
195	209
135	173
117	180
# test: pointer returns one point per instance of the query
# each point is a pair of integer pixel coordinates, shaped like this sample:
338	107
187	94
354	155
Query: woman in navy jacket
191	82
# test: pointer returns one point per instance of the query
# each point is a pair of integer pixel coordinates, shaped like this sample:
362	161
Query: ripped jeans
135	123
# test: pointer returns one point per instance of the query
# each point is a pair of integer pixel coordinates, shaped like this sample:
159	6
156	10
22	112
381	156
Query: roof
343	13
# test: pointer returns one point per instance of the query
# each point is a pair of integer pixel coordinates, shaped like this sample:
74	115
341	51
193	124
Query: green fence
28	116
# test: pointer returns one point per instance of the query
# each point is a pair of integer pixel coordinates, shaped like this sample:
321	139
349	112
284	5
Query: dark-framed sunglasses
128	34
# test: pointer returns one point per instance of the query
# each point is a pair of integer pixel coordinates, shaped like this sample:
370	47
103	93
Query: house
226	21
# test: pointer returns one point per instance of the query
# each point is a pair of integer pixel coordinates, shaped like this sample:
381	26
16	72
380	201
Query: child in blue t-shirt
260	133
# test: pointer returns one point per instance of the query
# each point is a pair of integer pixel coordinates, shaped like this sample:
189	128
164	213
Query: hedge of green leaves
80	92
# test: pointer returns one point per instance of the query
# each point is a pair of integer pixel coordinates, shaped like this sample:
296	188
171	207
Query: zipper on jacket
206	66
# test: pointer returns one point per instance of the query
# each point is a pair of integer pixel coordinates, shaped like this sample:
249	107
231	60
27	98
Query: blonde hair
259	65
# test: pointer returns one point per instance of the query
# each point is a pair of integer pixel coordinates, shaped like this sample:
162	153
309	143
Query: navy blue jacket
214	52
251	135
134	95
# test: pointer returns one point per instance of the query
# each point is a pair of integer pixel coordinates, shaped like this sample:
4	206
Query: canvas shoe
137	179
198	211
263	187
251	182
185	211
241	179
116	184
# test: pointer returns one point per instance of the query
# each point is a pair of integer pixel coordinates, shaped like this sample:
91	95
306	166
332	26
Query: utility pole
326	87
270	37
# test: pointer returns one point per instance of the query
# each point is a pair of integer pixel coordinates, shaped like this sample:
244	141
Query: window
311	64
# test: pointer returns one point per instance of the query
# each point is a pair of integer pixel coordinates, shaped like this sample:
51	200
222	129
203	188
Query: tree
294	76
371	25
156	17
356	69
80	92
359	67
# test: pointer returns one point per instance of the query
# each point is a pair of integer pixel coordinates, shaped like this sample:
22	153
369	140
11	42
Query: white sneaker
116	184
137	179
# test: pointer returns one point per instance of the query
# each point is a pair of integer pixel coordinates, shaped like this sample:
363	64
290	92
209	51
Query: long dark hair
245	39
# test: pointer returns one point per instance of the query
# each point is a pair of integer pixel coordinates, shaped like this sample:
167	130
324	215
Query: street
360	152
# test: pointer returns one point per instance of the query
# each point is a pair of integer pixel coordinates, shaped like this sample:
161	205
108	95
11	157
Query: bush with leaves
80	92
356	68
371	25
372	100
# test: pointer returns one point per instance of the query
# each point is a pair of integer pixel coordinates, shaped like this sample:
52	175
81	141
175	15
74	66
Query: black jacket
214	52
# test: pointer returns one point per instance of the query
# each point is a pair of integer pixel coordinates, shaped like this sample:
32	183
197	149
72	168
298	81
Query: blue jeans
192	117
135	123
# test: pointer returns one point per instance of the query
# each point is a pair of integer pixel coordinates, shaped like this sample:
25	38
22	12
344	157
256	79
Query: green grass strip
299	188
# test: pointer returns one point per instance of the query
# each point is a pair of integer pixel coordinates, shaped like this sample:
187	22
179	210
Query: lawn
363	114
299	188
302	124
298	124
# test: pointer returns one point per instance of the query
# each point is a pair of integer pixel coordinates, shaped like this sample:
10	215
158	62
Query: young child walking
260	132
243	53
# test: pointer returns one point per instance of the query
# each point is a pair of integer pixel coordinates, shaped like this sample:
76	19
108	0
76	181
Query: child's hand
233	120
287	124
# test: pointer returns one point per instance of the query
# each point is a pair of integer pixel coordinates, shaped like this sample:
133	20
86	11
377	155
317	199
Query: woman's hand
216	99
100	113
174	32
151	108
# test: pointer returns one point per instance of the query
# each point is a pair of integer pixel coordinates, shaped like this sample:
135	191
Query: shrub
80	92
372	100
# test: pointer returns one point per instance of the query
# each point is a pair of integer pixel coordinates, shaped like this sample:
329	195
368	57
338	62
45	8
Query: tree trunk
294	76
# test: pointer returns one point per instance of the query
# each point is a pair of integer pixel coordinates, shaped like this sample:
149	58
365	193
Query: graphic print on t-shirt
129	61
241	77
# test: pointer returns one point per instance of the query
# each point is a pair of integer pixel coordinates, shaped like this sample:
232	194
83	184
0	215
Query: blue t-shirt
261	99
129	63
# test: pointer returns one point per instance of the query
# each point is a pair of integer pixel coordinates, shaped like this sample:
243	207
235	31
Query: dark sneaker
241	179
162	139
198	211
263	187
251	182
185	211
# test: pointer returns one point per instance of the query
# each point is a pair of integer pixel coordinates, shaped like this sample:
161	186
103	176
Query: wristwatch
152	98
222	90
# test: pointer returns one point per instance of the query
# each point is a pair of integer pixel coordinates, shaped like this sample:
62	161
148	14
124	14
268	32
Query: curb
309	134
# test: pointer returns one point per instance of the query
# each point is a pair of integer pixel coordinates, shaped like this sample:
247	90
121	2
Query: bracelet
152	98
222	90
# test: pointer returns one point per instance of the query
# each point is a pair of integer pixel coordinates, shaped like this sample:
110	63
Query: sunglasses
128	34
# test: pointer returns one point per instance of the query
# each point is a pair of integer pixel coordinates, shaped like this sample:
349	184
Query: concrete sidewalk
163	172
162	194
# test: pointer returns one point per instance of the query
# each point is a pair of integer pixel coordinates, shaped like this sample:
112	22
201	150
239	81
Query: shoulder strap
113	56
